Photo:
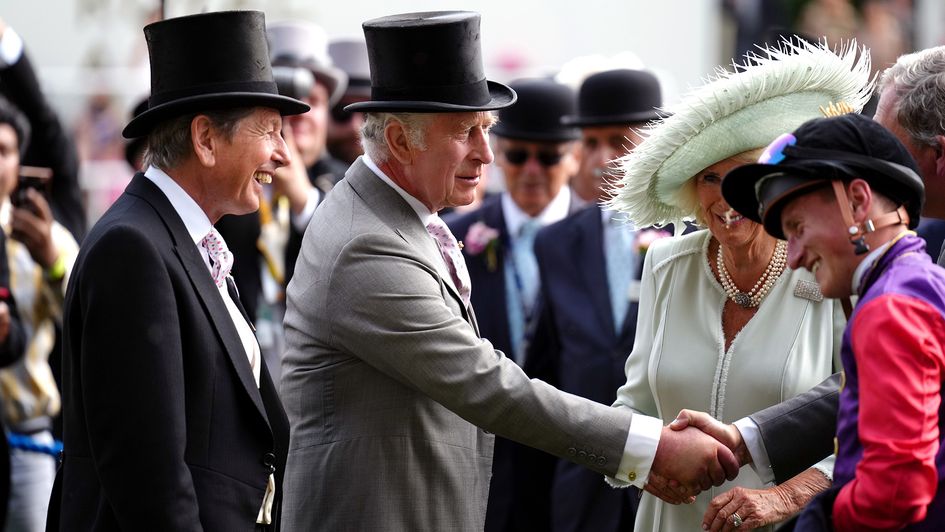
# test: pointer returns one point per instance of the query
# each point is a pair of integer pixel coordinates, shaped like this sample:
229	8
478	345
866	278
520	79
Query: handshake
695	452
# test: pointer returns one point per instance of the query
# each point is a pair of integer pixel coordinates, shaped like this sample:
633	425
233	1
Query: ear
860	196
398	143
204	140
939	156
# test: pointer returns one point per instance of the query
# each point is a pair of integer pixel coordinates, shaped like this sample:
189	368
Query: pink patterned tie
449	249
220	257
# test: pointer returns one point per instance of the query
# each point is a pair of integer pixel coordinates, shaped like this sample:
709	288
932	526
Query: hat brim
562	135
336	81
612	120
739	188
501	96
142	124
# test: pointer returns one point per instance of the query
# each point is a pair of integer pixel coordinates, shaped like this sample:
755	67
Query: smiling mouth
729	217
262	177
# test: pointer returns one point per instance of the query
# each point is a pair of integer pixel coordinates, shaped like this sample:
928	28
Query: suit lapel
589	242
196	269
391	207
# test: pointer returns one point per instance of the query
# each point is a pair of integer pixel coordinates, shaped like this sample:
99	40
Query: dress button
632	476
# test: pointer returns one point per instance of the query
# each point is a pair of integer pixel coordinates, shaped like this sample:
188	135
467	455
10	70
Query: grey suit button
582	455
572	451
592	457
601	460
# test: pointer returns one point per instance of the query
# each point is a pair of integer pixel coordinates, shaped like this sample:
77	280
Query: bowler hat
615	97
537	114
819	151
429	62
209	61
305	44
351	56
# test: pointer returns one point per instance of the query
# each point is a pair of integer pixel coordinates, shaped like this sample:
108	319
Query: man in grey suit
392	396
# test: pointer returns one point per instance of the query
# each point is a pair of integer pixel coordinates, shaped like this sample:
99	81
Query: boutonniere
482	238
645	239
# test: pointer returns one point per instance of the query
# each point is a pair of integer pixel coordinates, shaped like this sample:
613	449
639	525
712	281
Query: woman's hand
757	508
754	508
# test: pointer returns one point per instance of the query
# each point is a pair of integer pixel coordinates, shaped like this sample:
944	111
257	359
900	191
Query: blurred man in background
344	127
589	265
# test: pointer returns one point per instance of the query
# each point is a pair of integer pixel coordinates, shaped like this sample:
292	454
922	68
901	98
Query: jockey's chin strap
858	234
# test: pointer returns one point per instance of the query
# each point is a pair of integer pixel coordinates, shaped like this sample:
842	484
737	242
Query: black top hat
209	61
821	150
429	62
617	97
537	115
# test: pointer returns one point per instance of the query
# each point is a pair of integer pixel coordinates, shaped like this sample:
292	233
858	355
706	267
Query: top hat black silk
615	97
209	61
429	62
842	147
537	114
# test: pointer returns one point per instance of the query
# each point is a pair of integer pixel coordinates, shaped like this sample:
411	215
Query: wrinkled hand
32	225
726	434
756	508
694	459
292	180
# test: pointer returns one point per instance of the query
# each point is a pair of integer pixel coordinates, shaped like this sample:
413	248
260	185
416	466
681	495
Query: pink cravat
220	257
449	249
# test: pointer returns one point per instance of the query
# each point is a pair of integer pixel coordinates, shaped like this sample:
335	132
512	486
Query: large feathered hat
734	112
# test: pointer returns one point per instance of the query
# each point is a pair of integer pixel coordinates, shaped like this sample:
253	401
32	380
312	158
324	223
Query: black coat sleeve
810	417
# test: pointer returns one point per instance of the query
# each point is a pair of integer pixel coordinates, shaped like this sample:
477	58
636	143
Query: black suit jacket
810	417
577	349
165	428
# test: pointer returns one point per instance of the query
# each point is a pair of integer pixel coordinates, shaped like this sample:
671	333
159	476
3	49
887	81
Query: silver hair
169	143
918	80
372	132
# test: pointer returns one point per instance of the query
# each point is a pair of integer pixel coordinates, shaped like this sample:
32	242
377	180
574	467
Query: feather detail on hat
773	92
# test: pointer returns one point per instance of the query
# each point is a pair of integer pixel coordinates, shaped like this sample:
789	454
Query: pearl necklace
765	282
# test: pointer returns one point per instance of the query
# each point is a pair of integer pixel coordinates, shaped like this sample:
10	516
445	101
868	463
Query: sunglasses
340	116
774	153
518	156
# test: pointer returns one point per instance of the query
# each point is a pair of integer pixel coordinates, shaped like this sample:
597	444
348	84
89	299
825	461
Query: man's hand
292	180
694	459
31	224
727	434
4	321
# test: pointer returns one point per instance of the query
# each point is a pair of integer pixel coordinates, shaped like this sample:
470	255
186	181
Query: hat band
476	93
160	98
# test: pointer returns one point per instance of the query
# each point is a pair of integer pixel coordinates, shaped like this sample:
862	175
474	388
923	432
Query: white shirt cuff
300	220
11	48
640	450
756	448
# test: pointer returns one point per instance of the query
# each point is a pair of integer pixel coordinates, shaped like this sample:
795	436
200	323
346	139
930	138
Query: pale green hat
735	112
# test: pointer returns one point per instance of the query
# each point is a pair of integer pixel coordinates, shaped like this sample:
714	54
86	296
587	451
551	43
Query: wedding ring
736	520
